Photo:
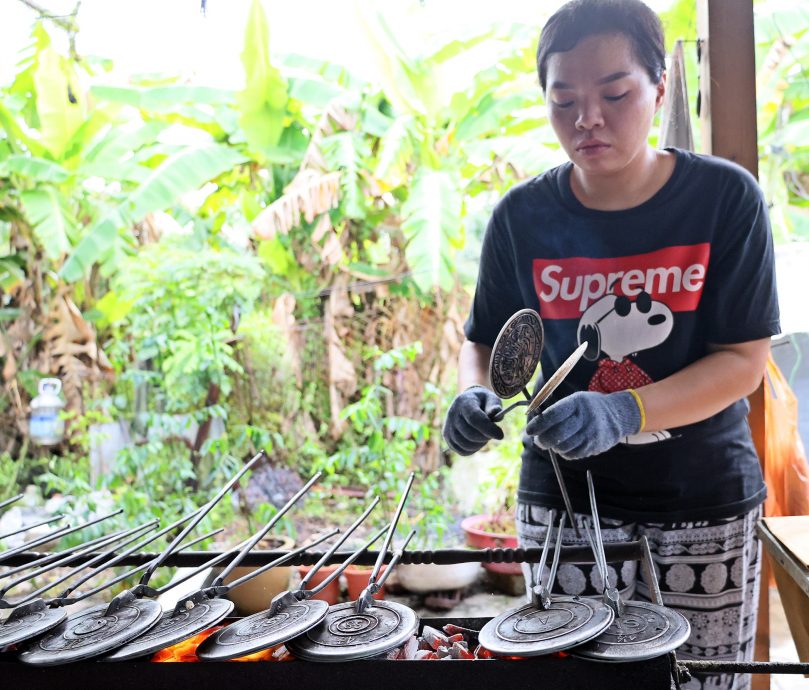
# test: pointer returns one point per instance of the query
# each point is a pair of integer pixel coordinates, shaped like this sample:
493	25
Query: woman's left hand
585	424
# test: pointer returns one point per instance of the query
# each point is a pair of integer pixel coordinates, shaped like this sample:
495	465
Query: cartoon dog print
618	327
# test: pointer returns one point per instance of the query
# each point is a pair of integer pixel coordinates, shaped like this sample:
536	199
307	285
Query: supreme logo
674	276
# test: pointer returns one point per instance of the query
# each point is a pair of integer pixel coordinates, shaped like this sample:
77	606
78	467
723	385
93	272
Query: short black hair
579	19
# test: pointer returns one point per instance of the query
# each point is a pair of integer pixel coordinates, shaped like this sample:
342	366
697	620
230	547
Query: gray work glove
468	426
585	424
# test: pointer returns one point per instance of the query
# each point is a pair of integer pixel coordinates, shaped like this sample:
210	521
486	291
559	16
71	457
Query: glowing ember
186	651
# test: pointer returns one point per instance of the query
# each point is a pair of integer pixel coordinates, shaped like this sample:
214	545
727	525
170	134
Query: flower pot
255	595
331	594
357	580
477	536
429	577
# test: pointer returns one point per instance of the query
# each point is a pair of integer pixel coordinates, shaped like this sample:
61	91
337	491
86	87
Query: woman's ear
661	91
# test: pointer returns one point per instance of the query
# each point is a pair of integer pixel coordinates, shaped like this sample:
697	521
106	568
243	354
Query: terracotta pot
331	594
255	595
357	580
481	539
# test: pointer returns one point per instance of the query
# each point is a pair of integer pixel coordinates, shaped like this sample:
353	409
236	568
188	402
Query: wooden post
728	124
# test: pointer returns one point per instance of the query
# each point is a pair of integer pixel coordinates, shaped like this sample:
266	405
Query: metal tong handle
64	560
366	598
337	545
563	488
381	557
339	570
279	561
56	534
216	560
539	594
611	596
128	536
120	557
51	557
11	500
499	415
130	573
263	531
557	552
172	547
25	528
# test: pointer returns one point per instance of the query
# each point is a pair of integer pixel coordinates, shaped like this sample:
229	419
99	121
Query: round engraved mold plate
260	631
345	634
516	353
644	631
531	631
91	633
172	629
14	630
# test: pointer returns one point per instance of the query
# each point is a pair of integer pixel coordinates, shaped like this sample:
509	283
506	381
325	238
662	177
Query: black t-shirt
648	288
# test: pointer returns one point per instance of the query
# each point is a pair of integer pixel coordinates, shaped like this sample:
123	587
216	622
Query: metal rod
563	488
263	531
196	571
130	573
622	551
25	528
338	544
536	579
50	558
279	561
648	564
172	547
134	534
57	534
598	547
11	500
391	529
339	570
556	553
119	559
395	560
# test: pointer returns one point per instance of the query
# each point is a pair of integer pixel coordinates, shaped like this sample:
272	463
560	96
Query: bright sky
173	36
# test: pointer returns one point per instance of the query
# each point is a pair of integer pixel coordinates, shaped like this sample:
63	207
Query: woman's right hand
468	426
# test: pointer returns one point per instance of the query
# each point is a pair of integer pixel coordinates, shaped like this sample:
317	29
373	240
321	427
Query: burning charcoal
458	637
442	651
409	649
434	637
393	654
425	654
423	644
468	633
457	651
282	654
482	653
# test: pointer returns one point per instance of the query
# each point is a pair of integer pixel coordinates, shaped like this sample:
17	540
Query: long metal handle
563	488
395	560
124	576
120	557
598	547
556	553
196	571
134	533
366	597
25	528
56	534
339	570
173	546
129	537
9	501
537	579
380	559
260	534
278	561
51	557
338	544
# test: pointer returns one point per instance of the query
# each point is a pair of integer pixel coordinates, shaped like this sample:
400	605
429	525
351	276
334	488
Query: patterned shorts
709	571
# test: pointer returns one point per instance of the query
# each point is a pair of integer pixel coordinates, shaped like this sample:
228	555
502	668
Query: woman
662	262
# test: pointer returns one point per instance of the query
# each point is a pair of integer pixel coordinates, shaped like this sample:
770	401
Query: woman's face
601	103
